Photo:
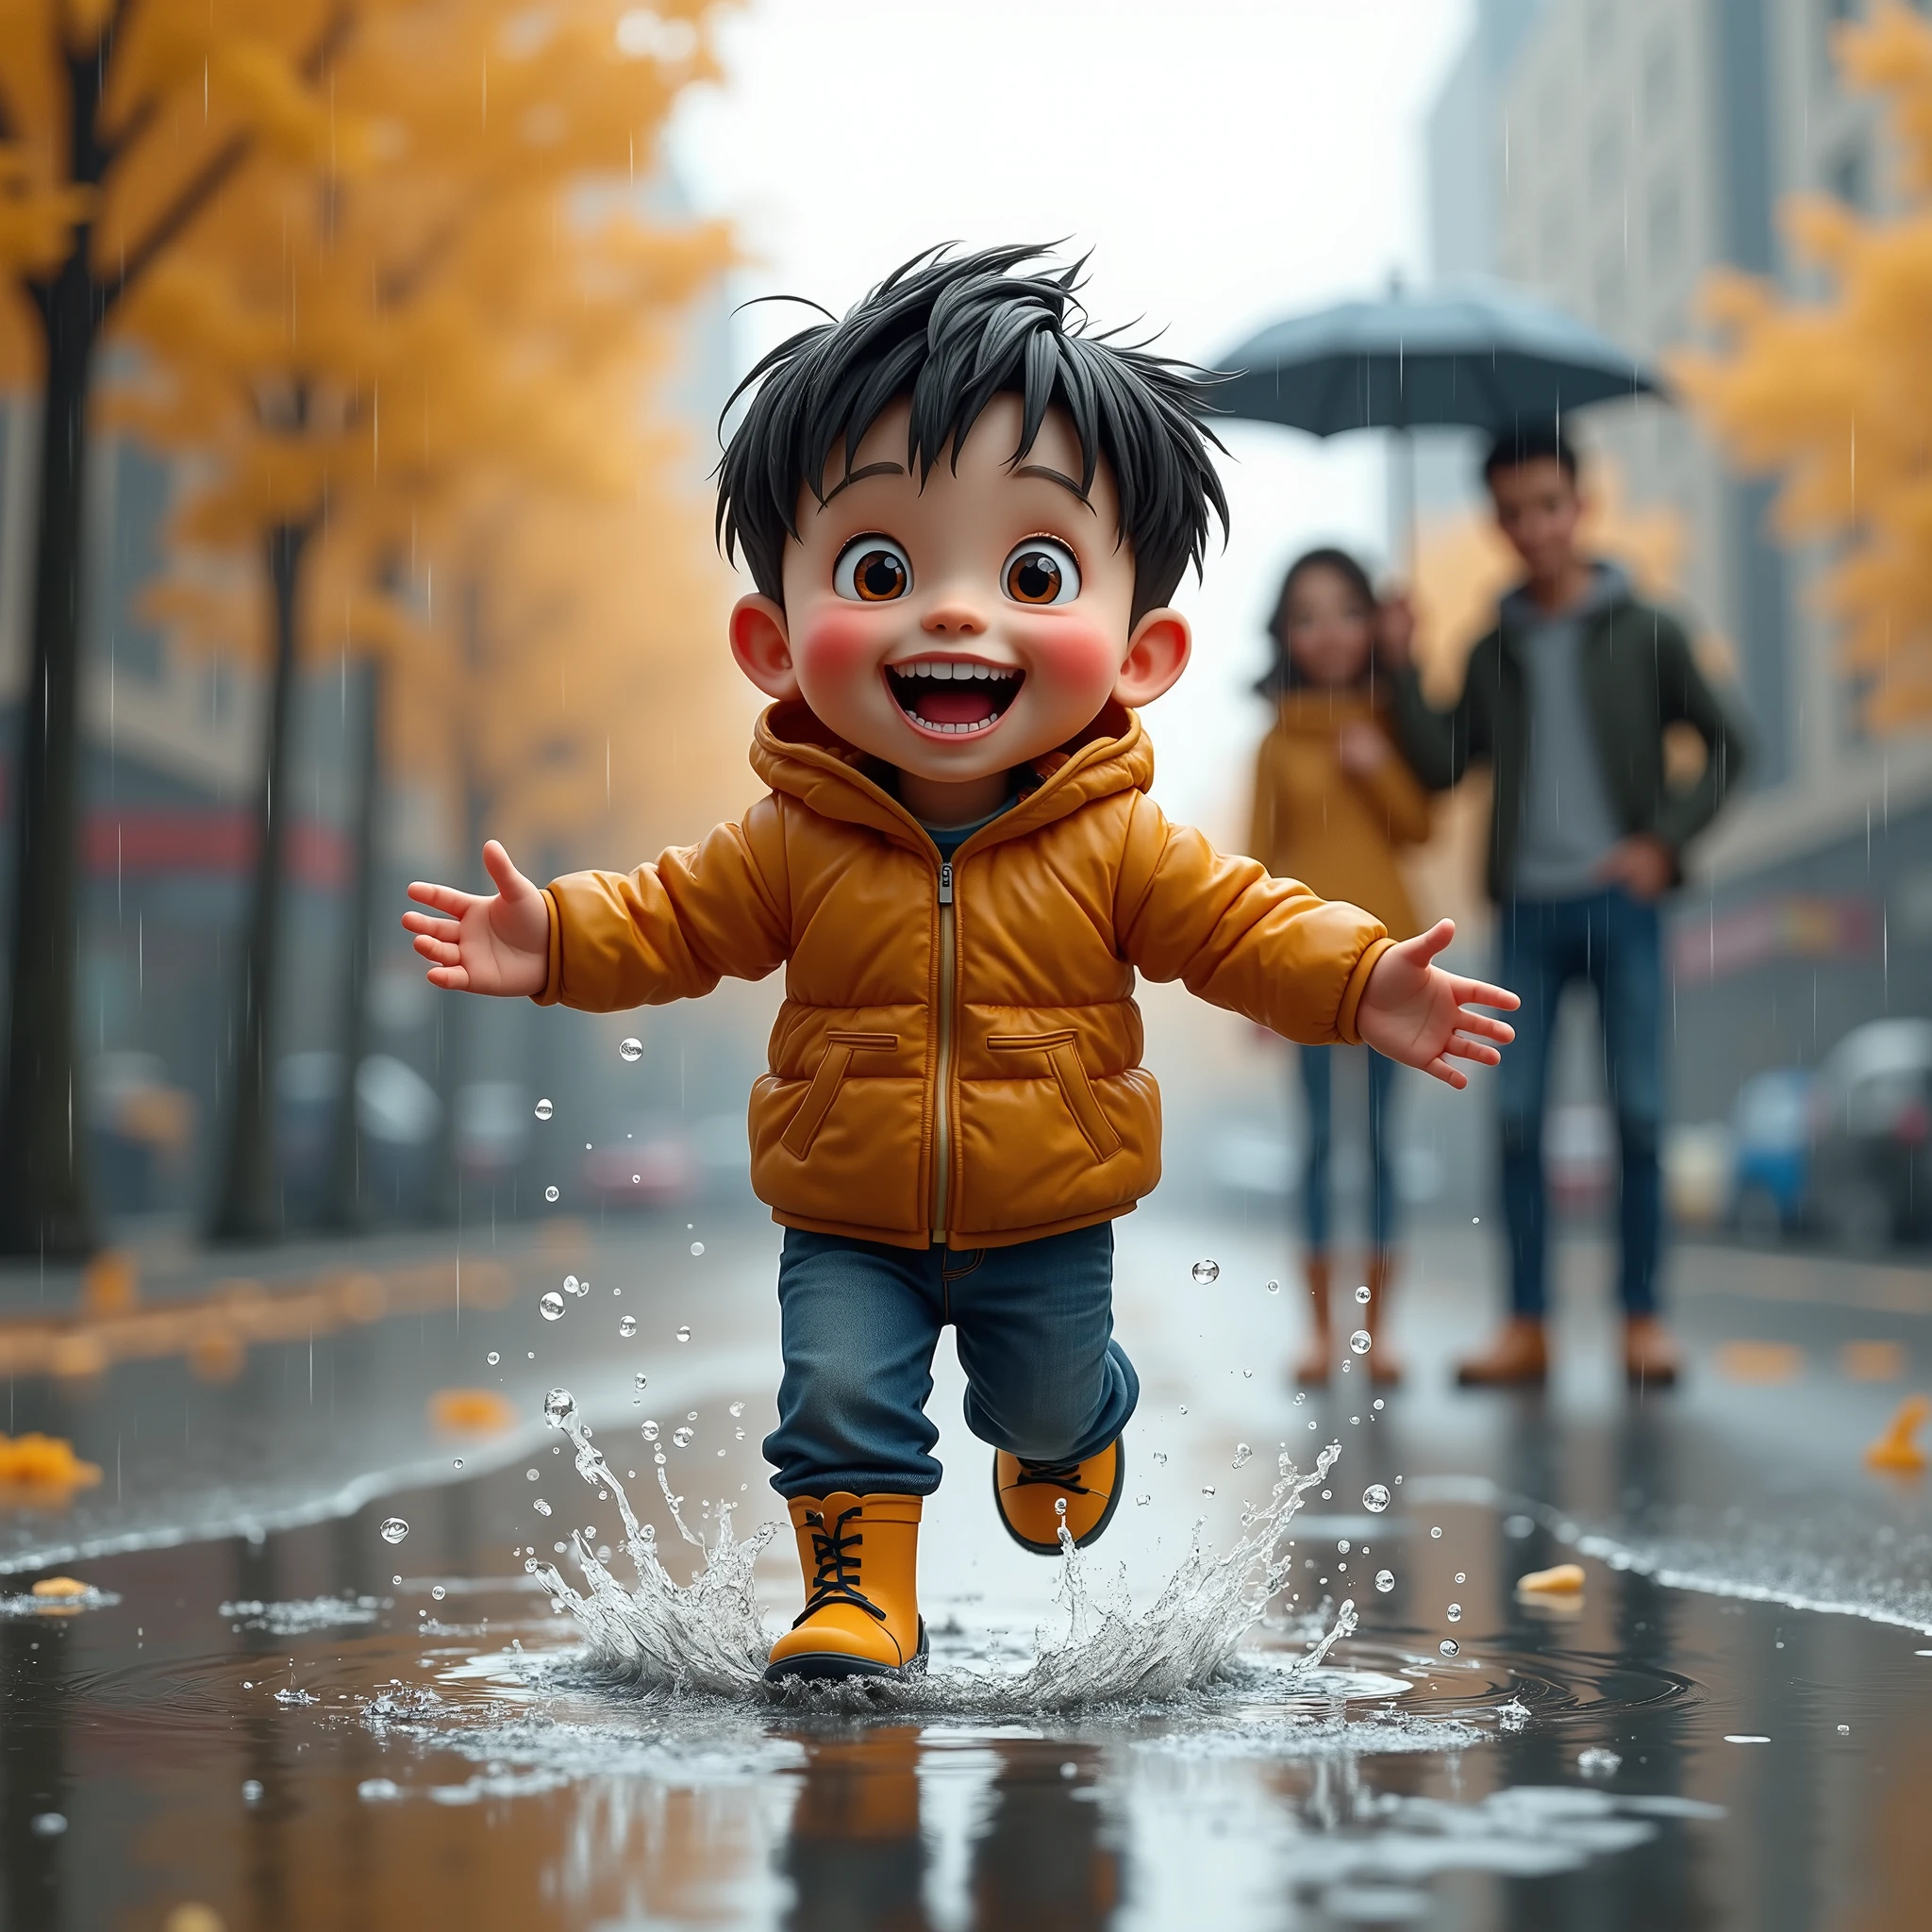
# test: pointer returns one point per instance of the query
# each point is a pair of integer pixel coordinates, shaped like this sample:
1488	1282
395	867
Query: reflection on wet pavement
294	1723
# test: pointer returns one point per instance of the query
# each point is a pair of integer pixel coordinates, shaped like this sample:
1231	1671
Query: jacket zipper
943	1144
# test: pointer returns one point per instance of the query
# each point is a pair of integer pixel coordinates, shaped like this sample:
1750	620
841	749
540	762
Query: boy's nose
952	617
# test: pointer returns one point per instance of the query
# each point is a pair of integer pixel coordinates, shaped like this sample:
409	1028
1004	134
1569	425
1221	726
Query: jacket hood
794	752
1609	586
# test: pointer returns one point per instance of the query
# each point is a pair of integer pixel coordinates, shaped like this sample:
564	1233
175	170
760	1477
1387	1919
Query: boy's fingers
1482	1027
500	867
1479	992
445	898
1450	1076
1463	1047
450	978
424	922
440	951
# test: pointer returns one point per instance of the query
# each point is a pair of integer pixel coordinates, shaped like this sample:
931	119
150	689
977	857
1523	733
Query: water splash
709	1635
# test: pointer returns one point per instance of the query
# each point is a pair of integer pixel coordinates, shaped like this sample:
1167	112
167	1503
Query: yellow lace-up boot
1030	1496
860	1559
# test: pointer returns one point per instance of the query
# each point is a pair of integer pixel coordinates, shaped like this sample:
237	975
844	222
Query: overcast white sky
1228	161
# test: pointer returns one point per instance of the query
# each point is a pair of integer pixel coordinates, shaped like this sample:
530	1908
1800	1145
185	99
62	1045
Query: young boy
1567	699
965	515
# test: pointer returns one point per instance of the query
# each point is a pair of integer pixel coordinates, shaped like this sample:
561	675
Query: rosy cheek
837	644
1076	657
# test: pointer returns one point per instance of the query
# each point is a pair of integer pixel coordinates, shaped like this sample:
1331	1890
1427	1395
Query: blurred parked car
1872	1136
1771	1128
142	1127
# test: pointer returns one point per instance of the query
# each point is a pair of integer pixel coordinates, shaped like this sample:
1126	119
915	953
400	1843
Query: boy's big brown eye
872	570
1041	572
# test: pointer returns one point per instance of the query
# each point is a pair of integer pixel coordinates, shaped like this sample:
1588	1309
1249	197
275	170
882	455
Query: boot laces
835	1579
1060	1475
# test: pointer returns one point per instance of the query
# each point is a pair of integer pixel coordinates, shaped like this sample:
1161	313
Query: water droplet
738	1409
1476	1221
376	1790
1385	1581
626	1325
545	1109
1361	1294
657	1457
1341	1545
1183	1408
1378	1402
1449	1647
1207	1489
550	1193
690	1415
393	1529
1844	1730
251	1790
1375	1499
1241	1453
1361	1341
572	1285
681	1436
550	1305
697	1247
684	1333
542	1508
529	1475
1060	1506
437	1590
559	1406
1275	1288
1454	1613
1206	1272
1142	1501
1435	1534
1160	1459
650	1432
458	1463
630	1051
640	1380
1462	1577
492	1357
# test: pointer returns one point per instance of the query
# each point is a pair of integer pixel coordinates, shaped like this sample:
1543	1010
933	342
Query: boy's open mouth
954	695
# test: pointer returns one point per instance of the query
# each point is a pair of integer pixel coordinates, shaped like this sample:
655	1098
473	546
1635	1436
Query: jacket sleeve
673	929
1238	938
1684	696
1397	793
1439	745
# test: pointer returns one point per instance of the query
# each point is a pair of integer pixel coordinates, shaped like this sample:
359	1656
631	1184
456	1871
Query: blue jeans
1044	1376
1318	1084
1612	941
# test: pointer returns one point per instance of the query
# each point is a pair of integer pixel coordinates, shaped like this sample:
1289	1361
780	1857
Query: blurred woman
1334	800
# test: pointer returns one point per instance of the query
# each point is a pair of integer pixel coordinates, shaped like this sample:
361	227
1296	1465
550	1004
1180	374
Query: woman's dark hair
952	332
1284	673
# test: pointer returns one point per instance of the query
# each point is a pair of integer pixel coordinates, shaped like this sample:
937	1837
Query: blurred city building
1606	154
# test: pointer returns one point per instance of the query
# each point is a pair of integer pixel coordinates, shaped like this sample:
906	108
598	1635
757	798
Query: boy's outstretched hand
498	943
1414	1012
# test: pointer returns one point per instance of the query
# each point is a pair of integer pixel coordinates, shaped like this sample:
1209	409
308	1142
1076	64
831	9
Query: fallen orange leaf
1896	1450
476	1411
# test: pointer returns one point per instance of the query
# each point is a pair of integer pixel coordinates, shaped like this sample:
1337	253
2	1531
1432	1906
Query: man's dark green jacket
1639	676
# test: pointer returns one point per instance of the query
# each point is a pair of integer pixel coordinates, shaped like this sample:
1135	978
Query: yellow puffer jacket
958	1058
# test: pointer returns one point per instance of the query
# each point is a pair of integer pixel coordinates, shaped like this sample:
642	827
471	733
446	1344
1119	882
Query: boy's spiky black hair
951	332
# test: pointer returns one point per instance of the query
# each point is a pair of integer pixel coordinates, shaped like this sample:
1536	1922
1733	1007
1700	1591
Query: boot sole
839	1667
1081	1543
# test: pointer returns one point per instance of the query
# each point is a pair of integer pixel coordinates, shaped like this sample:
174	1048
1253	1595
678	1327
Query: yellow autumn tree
123	123
1835	396
468	284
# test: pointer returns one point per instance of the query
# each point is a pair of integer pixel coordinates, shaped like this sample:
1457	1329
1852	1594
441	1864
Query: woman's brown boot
1312	1364
1385	1366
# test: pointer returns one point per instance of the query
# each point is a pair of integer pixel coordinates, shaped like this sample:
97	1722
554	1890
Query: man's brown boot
1312	1364
1385	1367
1518	1358
1650	1357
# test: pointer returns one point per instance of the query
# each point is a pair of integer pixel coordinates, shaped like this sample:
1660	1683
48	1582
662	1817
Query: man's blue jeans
1612	941
1044	1376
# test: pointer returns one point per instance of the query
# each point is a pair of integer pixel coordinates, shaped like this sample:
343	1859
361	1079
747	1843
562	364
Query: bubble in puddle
650	1432
1361	1294
684	1333
1449	1647
559	1406
437	1590
1205	1272
630	1051
1385	1581
550	1305
681	1436
1275	1288
697	1247
1241	1454
393	1529
492	1357
1361	1341
542	1508
1375	1499
626	1325
1454	1613
550	1193
545	1109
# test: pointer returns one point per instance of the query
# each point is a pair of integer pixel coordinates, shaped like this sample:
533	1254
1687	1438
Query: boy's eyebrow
852	477
1066	483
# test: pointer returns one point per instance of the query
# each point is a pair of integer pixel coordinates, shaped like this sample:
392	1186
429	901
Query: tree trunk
250	1205
344	1207
45	1206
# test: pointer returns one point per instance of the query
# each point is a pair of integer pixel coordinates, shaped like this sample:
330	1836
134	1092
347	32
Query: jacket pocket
826	1082
1075	1089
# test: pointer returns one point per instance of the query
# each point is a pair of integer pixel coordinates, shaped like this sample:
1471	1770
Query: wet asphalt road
524	1792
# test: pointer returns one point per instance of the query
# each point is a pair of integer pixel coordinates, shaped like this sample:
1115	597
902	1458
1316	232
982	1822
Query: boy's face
962	628
1538	506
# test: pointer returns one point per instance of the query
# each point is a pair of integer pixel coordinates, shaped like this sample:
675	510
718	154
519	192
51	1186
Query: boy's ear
1157	653
762	646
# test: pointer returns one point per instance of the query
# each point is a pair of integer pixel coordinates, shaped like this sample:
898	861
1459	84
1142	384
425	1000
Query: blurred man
1567	700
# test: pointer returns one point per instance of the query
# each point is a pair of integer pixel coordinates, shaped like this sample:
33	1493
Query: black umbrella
1471	353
